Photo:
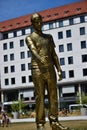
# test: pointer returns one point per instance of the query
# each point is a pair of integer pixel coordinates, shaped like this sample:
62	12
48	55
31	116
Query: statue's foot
40	127
58	126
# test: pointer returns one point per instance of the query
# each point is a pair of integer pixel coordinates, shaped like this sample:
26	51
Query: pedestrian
5	119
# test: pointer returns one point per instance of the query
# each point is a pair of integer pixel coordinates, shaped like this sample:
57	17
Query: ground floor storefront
67	94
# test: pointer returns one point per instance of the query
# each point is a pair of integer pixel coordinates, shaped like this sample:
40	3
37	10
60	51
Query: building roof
48	15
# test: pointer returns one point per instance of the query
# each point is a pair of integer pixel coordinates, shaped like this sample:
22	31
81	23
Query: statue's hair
36	15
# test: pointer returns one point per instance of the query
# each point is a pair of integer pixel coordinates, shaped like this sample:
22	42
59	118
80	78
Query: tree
18	106
84	101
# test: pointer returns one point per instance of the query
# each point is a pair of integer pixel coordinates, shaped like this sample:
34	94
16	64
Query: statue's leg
40	127
39	94
53	100
53	106
56	125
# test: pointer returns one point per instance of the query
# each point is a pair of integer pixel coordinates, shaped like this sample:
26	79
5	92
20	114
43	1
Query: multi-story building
68	26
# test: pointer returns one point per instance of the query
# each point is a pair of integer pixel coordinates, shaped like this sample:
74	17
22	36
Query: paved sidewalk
71	118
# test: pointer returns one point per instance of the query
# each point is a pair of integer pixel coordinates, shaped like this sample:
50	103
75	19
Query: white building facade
69	31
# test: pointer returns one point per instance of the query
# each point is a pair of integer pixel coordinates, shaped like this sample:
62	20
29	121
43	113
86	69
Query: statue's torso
43	46
42	43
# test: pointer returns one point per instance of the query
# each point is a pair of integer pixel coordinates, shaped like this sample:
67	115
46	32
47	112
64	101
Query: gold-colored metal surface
44	59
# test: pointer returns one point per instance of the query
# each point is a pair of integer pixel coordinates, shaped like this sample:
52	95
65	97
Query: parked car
73	107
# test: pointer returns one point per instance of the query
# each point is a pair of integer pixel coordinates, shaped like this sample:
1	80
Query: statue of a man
44	58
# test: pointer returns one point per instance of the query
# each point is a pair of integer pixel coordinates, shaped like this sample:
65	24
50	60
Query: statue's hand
44	59
60	75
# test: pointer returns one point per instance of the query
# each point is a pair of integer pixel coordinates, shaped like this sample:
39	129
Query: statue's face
37	23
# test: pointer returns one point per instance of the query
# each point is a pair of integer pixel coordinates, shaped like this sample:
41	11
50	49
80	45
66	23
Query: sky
10	9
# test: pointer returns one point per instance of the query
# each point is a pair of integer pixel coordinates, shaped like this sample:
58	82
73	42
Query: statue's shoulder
29	37
32	37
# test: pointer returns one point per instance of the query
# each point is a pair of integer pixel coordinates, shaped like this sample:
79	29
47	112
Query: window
32	29
82	19
63	74
78	9
69	46
85	72
22	55
15	34
5	58
17	23
5	36
83	44
33	98
11	57
66	12
23	31
5	46
61	23
11	45
56	14
23	79
30	78
48	16
61	48
12	68
70	60
5	69
62	61
71	22
26	98
21	43
82	31
22	67
29	66
29	54
43	28
60	35
6	81
50	25
68	33
21	96
12	80
71	74
84	58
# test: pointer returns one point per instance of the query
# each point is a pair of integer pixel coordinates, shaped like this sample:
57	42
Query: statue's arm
32	48
56	59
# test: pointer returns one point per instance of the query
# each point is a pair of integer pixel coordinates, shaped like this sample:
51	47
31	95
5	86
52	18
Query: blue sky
15	8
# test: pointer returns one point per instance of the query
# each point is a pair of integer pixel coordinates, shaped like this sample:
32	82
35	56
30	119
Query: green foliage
16	106
84	100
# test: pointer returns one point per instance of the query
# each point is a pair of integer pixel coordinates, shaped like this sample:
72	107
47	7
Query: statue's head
35	17
36	20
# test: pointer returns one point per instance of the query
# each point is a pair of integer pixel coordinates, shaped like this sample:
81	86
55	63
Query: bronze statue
44	58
